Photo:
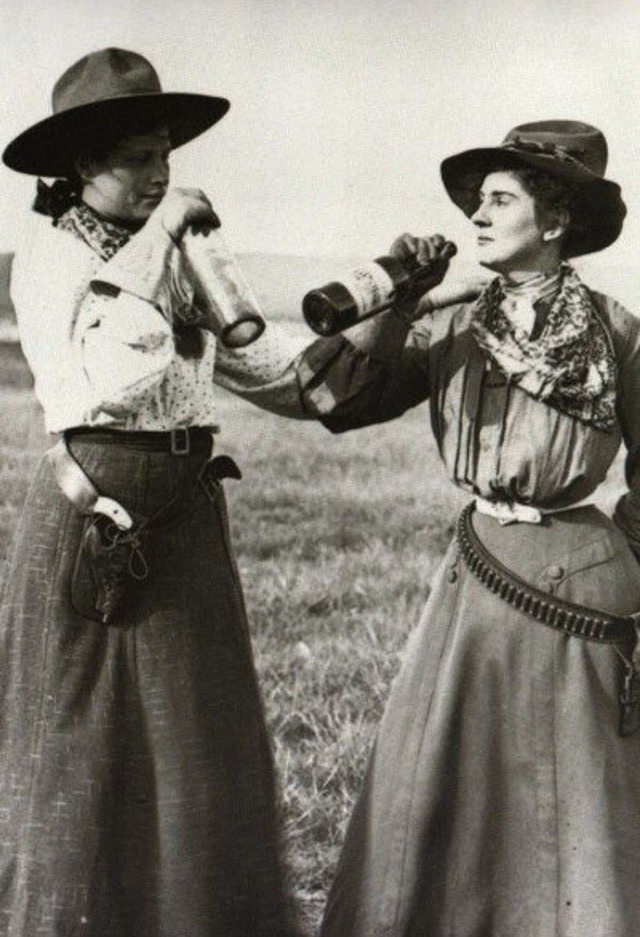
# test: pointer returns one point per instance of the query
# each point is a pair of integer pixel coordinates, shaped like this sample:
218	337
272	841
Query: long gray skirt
136	783
500	799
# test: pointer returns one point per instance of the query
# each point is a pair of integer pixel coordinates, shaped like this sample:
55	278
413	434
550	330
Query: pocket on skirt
602	575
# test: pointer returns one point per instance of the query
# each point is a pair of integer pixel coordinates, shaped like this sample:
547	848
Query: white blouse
98	338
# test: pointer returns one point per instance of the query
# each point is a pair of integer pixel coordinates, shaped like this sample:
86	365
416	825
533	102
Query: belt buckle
180	441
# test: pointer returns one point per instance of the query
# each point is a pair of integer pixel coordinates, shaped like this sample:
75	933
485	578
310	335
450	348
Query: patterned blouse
100	337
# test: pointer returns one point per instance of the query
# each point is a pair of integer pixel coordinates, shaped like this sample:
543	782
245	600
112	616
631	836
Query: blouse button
555	572
453	575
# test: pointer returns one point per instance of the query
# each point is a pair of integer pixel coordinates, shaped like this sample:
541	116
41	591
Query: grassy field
337	539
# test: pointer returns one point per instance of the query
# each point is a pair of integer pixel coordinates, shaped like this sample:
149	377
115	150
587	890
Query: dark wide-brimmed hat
97	95
568	150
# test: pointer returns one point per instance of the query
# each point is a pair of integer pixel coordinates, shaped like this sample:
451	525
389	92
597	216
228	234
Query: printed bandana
104	237
570	365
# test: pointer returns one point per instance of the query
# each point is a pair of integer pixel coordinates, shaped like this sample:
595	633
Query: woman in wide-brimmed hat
503	793
136	780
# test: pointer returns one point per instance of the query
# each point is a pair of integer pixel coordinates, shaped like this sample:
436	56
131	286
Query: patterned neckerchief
103	236
570	365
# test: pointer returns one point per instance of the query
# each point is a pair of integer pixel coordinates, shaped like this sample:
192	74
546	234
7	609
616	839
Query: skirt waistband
576	620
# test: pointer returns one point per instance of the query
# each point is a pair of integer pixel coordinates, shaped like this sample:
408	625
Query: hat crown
100	76
104	94
568	140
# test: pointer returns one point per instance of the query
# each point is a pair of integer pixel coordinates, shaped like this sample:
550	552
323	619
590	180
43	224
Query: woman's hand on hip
181	208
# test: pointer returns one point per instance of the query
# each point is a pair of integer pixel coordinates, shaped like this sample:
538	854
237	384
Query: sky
342	111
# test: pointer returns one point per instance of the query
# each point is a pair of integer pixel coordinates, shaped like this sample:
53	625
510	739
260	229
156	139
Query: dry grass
337	538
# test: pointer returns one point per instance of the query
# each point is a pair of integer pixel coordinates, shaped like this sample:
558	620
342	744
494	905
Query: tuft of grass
337	539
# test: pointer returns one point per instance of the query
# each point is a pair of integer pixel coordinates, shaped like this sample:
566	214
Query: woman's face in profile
509	233
131	180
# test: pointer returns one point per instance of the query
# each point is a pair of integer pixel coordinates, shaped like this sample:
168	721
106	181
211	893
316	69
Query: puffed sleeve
626	334
125	347
370	374
267	372
97	334
123	331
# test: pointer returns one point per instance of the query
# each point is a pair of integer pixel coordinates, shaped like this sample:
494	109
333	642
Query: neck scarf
570	365
104	237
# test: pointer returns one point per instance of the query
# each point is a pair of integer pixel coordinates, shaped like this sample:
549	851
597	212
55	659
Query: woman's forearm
382	337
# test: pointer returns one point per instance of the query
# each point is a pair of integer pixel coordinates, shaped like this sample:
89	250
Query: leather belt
576	620
191	440
78	488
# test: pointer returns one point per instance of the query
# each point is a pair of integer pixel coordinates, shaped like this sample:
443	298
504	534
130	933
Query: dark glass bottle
370	289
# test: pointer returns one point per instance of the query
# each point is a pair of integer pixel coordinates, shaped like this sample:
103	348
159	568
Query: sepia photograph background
340	116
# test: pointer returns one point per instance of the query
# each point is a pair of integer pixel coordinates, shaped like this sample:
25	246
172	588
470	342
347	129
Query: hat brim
48	147
598	201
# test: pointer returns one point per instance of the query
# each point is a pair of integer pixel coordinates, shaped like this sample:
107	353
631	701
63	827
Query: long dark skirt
500	800
136	782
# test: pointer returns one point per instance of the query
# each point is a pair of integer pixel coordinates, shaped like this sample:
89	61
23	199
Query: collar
538	286
521	301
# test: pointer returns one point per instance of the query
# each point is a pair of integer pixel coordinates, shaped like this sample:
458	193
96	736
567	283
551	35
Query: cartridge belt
576	620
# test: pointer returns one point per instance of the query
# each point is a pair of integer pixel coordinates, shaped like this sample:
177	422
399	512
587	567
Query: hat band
564	153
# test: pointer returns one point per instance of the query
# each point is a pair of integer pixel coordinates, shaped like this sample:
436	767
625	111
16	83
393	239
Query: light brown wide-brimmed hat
99	93
569	150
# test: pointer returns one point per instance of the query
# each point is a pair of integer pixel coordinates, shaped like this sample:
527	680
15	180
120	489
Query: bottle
370	289
224	302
